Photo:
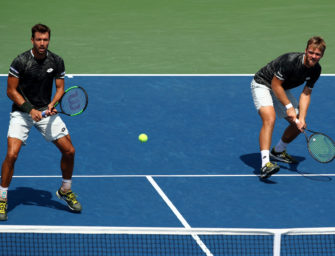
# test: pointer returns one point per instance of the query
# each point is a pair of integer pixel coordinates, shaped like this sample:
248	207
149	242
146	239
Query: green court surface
168	36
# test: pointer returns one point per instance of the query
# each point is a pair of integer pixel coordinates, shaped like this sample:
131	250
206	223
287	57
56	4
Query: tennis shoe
269	169
71	200
282	157
3	211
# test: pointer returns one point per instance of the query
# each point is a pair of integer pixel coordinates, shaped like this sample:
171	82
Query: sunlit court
192	188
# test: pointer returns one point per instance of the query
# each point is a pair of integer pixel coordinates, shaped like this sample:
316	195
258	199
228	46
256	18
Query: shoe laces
284	153
70	196
269	164
3	207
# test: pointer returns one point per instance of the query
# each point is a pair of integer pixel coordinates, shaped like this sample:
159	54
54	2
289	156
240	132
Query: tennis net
129	241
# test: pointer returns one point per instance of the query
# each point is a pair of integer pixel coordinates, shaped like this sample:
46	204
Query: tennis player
30	81
271	94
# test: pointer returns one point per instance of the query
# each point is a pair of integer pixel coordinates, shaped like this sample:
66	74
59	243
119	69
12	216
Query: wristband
289	106
26	107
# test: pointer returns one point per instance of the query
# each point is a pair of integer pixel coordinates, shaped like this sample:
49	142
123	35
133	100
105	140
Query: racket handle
303	130
44	113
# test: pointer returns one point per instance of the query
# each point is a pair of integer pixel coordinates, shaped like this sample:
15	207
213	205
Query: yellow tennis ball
143	137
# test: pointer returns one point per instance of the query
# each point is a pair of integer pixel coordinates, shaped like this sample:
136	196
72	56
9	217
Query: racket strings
321	147
74	101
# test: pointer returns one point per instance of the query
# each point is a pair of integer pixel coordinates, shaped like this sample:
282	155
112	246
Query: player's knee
69	152
270	121
268	116
12	157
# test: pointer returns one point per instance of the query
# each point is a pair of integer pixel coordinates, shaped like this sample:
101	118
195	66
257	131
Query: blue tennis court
202	155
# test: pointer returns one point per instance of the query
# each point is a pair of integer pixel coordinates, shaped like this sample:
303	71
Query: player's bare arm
17	98
58	95
279	91
12	93
304	101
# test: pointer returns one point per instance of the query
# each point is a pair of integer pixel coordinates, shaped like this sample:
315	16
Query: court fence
129	241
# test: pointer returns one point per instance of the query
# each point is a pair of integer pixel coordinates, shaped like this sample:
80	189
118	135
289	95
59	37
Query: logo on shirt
308	78
50	70
279	75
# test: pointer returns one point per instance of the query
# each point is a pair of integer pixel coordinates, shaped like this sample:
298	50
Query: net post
277	242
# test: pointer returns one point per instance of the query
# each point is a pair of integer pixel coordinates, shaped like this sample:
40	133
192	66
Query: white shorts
263	96
51	128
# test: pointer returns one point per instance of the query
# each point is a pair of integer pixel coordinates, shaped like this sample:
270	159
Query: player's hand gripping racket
73	102
320	146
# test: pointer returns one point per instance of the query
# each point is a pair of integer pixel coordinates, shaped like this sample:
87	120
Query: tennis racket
320	146
73	102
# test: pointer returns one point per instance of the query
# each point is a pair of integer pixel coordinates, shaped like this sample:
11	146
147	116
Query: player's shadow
253	160
31	196
307	175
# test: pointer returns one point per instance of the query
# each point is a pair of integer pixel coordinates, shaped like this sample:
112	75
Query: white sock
3	193
66	185
281	146
265	154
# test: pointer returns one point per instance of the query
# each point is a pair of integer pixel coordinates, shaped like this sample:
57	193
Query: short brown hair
40	28
318	42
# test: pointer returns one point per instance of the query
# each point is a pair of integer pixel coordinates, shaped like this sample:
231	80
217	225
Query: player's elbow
9	92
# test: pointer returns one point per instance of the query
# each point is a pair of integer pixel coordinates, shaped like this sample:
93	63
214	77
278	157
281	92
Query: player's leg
268	117
64	144
263	102
19	127
7	170
54	129
291	132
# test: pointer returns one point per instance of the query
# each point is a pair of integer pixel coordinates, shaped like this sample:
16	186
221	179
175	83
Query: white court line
178	215
168	75
174	175
153	75
112	75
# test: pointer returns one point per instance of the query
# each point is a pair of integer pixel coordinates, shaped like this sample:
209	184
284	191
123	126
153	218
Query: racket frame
60	101
308	138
